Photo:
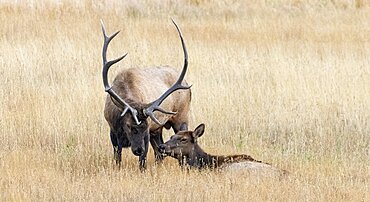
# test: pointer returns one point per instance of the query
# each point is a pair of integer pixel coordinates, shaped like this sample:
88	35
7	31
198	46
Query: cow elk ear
198	132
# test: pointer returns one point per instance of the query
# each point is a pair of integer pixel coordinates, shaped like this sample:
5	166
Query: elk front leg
156	139
117	150
142	158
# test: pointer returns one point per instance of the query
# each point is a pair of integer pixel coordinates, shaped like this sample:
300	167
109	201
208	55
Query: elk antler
106	66
177	86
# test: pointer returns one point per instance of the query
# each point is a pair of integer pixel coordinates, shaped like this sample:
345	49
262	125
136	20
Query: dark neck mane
200	159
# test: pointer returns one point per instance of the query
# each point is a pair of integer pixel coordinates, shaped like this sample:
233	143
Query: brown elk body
139	92
184	147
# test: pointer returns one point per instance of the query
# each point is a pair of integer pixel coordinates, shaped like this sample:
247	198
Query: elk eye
184	140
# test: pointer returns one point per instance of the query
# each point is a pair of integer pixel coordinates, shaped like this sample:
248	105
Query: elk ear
198	132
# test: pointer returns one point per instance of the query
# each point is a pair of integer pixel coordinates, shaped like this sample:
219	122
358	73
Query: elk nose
161	148
138	152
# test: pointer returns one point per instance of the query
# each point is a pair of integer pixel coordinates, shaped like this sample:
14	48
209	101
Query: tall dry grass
285	81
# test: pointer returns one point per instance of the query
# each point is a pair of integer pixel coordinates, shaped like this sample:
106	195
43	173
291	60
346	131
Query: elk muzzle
138	151
162	148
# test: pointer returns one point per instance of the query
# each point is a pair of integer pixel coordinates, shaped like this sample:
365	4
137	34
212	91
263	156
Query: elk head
182	143
135	123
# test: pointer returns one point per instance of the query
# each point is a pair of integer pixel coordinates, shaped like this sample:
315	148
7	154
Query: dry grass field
286	81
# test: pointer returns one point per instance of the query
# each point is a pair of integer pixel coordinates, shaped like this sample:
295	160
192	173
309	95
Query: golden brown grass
285	81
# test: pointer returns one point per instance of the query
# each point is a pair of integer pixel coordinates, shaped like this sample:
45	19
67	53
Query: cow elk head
182	143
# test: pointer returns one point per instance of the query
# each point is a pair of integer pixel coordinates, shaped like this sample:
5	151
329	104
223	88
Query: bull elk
184	147
133	91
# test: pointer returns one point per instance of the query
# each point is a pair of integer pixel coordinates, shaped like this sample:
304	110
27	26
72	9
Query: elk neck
198	158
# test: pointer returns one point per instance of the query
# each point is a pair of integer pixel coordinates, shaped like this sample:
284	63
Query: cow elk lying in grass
184	147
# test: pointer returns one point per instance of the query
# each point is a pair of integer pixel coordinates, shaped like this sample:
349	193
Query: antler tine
106	66
185	68
177	86
151	114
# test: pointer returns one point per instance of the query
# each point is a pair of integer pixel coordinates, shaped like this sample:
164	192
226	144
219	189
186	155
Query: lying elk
133	91
184	147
